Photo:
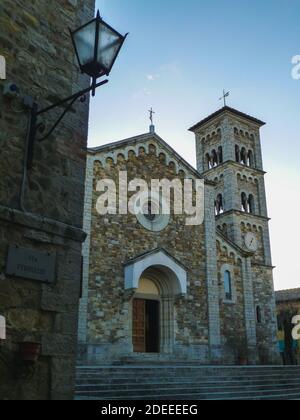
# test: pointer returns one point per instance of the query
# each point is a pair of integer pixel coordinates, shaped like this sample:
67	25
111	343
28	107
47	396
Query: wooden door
152	326
139	326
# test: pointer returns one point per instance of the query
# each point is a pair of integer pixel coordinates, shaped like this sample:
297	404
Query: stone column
249	307
212	277
167	324
87	221
258	151
267	244
231	191
200	154
263	211
228	141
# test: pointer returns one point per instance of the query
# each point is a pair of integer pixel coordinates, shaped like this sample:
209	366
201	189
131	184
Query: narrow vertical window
243	156
219	205
244	203
208	161
227	285
220	154
214	159
258	315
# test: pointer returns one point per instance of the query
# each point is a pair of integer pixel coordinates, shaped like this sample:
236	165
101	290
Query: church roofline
287	295
144	137
117	144
223	111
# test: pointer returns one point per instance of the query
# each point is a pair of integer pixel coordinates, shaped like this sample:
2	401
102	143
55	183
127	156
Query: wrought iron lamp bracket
35	113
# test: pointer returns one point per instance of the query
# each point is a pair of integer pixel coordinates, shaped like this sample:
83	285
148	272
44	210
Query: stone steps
187	383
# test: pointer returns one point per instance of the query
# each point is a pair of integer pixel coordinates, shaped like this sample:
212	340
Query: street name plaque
30	264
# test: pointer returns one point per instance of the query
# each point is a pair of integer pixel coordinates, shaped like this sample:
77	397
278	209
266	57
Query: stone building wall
47	214
267	329
115	240
232	313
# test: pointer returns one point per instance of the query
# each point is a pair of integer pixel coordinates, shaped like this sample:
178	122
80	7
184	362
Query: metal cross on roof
225	95
151	115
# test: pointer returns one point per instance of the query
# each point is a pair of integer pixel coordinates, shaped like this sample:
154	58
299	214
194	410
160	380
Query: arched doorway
153	312
152	277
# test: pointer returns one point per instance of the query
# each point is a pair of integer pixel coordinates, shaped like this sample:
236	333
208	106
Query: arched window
219	205
251	204
220	154
237	154
244	156
244	202
208	161
250	158
214	159
258	315
227	285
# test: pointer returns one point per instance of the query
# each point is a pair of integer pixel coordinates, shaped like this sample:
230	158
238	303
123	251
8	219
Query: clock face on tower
251	242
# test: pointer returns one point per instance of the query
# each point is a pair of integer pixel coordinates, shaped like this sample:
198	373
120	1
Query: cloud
167	70
152	77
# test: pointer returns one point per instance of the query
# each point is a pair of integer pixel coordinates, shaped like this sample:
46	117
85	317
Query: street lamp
97	46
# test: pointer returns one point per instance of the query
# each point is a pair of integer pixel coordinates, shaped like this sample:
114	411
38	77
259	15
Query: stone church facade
155	289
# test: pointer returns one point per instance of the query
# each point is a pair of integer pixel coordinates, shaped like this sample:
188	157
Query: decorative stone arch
160	260
152	146
134	150
169	279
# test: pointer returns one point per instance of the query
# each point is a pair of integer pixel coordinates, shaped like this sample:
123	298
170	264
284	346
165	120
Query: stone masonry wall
35	41
232	314
264	298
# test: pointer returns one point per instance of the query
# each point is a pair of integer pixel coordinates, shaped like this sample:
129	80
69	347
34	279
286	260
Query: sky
179	57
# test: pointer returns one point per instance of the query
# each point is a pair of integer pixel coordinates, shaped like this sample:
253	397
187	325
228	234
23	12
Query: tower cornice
242	213
237	165
226	110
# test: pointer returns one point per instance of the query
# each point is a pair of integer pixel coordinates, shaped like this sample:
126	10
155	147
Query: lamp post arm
35	113
70	98
59	119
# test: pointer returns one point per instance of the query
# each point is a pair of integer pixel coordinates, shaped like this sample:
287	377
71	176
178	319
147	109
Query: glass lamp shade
97	46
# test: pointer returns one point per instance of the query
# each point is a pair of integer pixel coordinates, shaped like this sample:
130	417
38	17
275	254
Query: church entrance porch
157	281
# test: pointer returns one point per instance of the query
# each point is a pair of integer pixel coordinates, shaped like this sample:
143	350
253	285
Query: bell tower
229	153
